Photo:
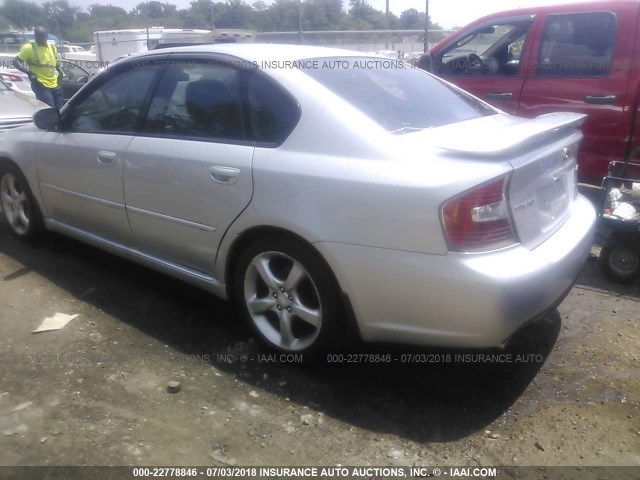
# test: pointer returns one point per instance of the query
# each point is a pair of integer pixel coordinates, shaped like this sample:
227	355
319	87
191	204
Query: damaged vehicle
321	190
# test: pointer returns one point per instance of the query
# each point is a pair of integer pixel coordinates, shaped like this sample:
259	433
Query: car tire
19	207
289	297
620	261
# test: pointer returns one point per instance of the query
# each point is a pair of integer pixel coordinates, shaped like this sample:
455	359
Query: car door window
198	100
578	45
114	106
491	50
73	73
273	113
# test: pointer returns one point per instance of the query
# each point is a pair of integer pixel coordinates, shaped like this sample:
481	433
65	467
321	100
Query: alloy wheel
283	301
15	205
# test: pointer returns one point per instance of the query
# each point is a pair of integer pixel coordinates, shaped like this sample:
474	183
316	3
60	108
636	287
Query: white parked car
17	108
12	77
72	49
313	186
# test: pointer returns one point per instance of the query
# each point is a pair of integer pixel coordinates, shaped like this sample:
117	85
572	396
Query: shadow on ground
436	401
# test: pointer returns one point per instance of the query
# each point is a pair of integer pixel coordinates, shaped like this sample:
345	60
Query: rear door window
578	45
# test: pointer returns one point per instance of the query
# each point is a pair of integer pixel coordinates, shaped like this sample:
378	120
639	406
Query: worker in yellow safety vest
39	60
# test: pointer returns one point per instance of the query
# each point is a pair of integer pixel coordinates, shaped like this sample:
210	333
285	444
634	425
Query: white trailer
113	44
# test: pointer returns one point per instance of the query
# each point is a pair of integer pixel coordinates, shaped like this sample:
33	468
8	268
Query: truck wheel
19	208
620	261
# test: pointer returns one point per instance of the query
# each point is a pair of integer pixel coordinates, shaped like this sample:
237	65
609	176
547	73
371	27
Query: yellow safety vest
42	62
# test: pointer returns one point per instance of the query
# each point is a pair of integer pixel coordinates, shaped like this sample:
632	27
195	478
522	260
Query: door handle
600	99
500	96
226	175
107	158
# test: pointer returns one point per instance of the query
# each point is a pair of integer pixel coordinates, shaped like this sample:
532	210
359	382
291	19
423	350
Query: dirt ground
95	392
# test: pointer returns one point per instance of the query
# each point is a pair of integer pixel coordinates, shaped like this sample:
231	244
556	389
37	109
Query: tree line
77	25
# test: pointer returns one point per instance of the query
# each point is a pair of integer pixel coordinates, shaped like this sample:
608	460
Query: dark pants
51	96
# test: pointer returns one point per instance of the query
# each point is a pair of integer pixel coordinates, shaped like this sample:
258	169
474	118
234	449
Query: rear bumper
460	300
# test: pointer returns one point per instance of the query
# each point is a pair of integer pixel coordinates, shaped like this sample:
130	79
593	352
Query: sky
447	13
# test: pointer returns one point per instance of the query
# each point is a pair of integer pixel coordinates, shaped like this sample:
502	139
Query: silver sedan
319	189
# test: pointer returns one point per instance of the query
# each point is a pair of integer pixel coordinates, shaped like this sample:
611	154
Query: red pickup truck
580	57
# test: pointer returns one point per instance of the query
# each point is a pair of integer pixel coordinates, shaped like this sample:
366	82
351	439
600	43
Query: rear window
396	95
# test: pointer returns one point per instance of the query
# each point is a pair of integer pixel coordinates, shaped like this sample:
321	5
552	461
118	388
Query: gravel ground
95	392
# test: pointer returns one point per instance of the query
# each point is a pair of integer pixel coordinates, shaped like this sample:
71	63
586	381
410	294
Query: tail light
478	220
10	77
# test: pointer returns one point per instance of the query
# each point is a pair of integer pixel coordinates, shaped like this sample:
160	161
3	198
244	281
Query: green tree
233	14
22	14
61	17
283	15
108	17
412	19
365	17
154	9
322	14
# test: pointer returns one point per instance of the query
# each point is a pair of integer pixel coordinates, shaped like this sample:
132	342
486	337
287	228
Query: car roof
560	5
257	52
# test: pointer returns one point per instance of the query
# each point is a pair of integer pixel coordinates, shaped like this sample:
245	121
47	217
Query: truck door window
494	50
578	45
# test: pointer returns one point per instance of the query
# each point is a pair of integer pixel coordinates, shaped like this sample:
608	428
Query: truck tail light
478	219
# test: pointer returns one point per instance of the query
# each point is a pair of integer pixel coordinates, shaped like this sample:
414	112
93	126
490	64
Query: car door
489	60
80	167
582	64
188	175
75	77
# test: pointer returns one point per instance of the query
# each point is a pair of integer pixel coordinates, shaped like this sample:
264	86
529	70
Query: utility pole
426	26
213	25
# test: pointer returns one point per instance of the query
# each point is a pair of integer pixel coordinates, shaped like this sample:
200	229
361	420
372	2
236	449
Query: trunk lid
543	154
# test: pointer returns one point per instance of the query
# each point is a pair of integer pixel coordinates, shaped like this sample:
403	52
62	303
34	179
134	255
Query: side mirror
47	119
425	62
82	79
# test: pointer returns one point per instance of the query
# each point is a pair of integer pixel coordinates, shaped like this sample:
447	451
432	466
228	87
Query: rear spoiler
514	135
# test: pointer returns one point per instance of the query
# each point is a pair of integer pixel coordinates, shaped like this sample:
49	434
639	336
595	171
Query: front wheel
18	205
288	296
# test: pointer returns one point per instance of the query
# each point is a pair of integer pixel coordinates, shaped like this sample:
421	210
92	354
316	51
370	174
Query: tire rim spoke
12	187
296	275
286	332
261	264
258	305
311	316
7	199
23	218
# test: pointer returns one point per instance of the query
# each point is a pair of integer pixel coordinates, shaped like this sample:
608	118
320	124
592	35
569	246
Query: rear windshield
394	94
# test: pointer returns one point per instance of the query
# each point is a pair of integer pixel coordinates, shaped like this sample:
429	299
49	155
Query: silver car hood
18	105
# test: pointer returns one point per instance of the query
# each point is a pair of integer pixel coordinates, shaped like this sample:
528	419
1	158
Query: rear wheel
288	296
20	209
620	261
